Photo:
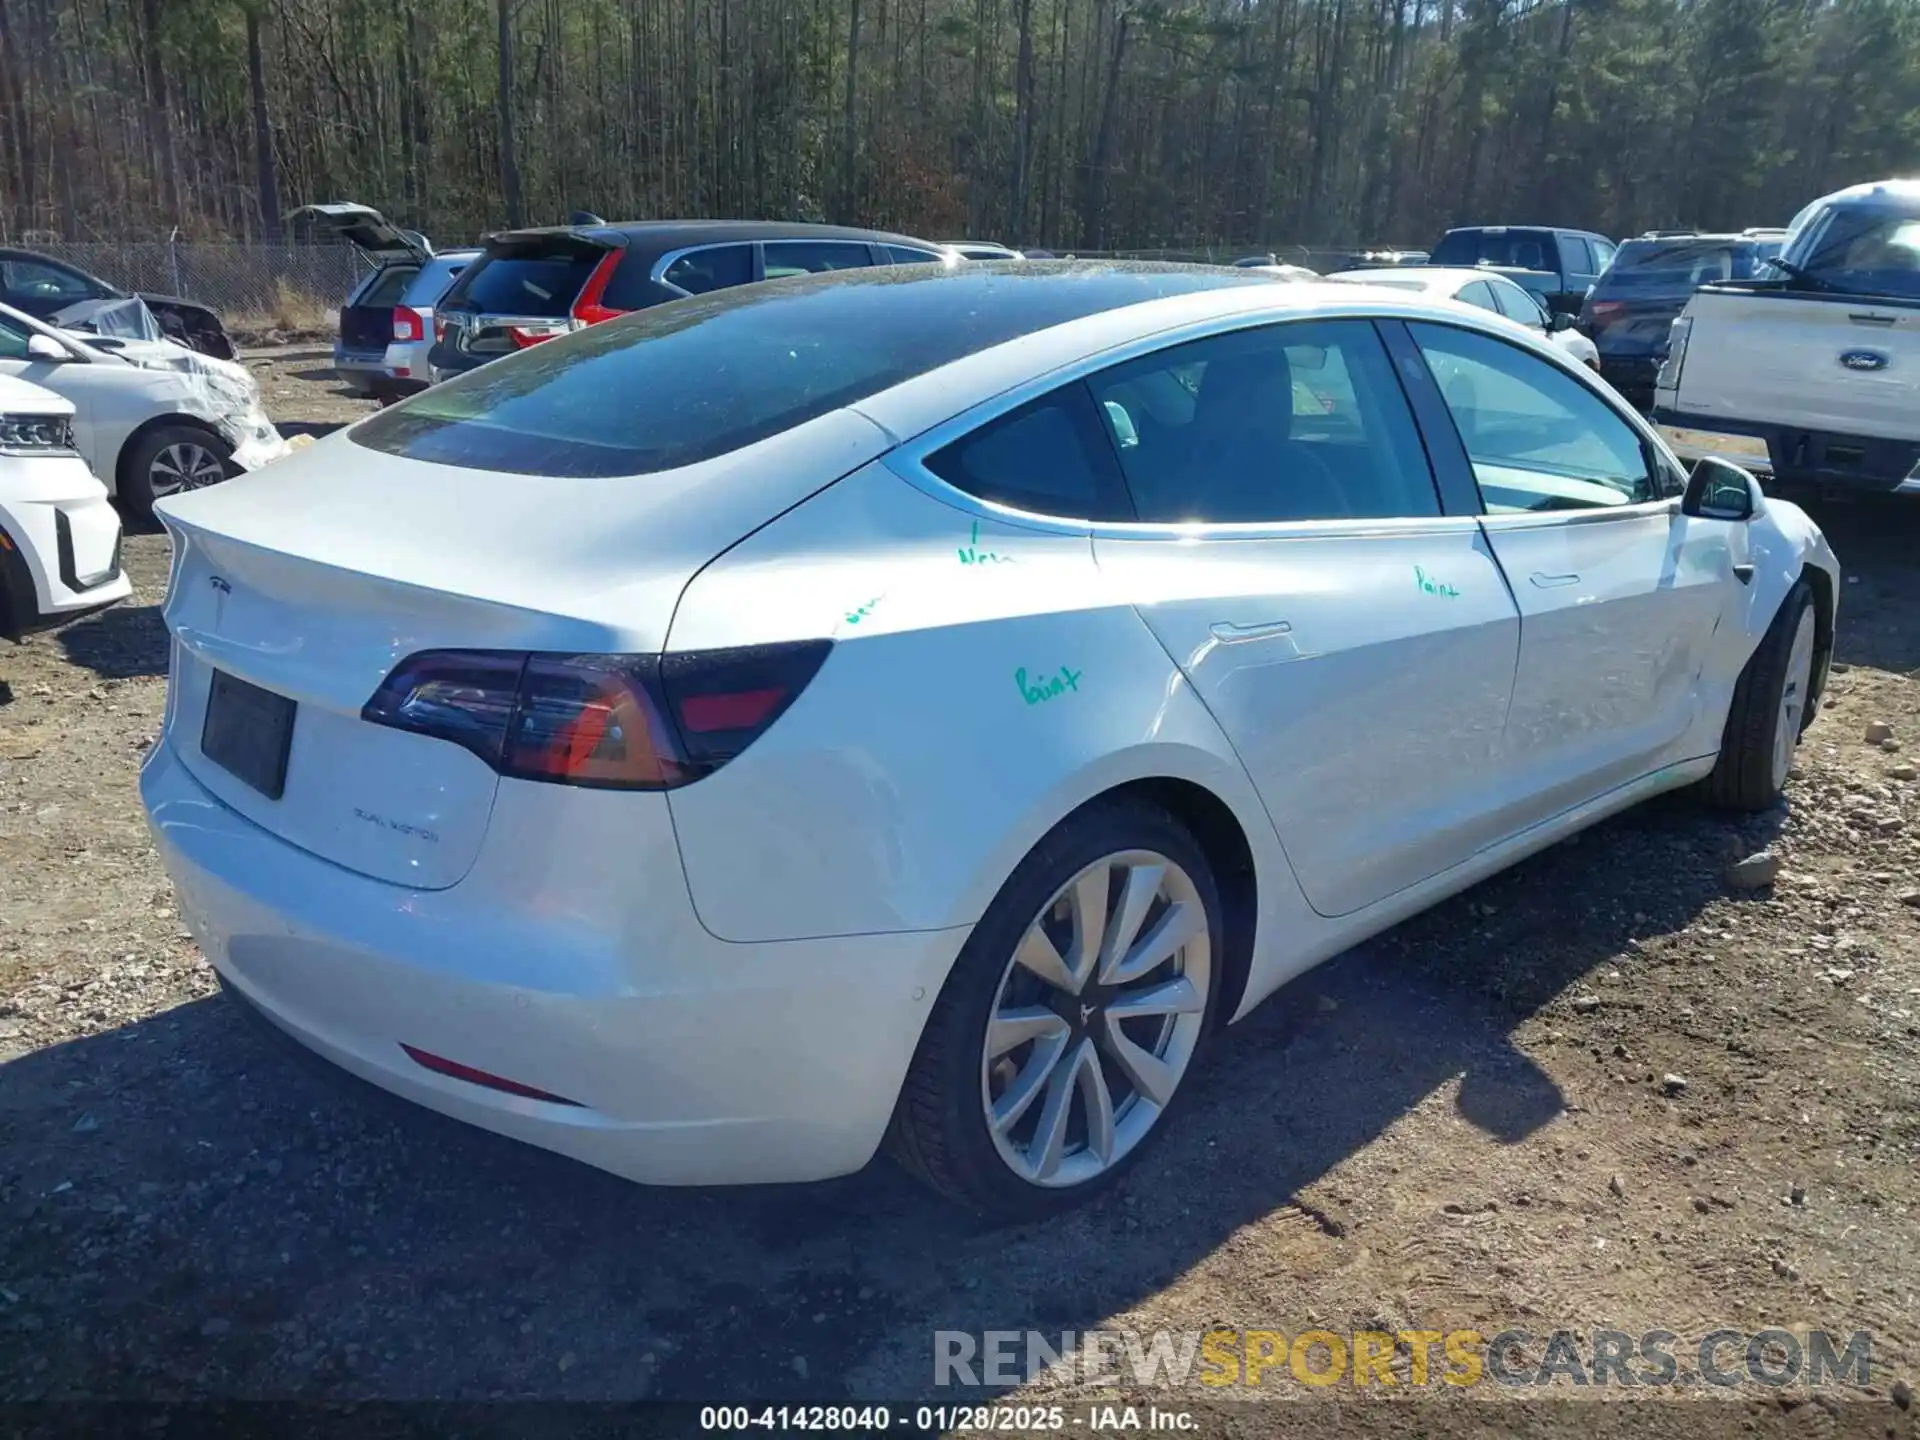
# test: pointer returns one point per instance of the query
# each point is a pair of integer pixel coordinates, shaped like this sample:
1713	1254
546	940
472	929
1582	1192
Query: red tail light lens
408	323
614	722
587	308
439	329
524	336
1602	309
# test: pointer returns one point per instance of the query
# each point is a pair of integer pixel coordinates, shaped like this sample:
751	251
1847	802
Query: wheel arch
171	421
1825	607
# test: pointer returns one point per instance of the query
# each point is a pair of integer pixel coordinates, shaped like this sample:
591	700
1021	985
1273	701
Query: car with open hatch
918	709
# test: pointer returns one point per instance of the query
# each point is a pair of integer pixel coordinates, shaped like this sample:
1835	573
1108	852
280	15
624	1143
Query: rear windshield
683	382
1519	249
529	281
1683	266
1867	247
434	278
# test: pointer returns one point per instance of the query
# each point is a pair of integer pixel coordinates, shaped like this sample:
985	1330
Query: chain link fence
235	279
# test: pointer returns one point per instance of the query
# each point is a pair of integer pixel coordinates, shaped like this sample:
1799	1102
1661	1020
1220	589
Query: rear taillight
527	335
587	308
1676	357
408	323
1604	309
439	329
613	722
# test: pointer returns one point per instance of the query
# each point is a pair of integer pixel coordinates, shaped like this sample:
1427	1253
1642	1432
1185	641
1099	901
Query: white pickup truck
1812	375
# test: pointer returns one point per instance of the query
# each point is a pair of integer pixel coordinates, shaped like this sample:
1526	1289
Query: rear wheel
1772	707
1071	1020
170	460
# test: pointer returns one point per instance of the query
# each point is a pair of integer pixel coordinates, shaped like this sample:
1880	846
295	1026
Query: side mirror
1720	490
1559	321
45	347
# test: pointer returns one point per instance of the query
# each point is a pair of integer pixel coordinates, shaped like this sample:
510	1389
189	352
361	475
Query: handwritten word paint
1432	586
1046	689
855	616
972	554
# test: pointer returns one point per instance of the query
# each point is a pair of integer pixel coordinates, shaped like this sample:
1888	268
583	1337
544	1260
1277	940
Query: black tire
1743	778
939	1130
136	470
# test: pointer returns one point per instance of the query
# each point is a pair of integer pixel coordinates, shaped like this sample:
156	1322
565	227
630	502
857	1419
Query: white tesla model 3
919	707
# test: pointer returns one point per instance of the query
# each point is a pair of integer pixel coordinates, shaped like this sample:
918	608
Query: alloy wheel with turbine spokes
184	465
1096	1019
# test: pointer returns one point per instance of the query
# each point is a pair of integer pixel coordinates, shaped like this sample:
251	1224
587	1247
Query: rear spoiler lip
605	239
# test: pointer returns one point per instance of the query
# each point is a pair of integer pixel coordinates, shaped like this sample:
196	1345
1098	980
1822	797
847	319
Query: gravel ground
1606	1089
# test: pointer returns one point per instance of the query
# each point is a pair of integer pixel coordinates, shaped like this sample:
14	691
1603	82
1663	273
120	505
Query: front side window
811	257
13	341
699	271
1538	438
1302	421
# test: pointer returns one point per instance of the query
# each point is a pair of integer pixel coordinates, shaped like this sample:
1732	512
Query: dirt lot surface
1608	1089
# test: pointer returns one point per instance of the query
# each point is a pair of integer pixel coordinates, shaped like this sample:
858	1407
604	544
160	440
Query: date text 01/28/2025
944	1419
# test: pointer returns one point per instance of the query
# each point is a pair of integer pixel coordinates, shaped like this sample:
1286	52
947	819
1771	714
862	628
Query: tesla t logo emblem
1864	360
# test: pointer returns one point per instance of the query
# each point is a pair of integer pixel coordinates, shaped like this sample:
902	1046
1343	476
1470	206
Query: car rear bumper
569	961
1792	455
361	362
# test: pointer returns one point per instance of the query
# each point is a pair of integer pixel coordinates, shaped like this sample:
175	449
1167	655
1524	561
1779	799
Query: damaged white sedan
151	418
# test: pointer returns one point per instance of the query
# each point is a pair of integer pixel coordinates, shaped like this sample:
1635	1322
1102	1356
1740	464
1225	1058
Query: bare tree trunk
849	176
159	113
509	161
263	131
1093	213
1023	82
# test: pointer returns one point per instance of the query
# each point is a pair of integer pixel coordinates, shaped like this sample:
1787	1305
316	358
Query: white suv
59	534
152	418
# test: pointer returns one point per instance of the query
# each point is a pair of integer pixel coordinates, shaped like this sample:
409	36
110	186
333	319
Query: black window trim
1652	448
908	461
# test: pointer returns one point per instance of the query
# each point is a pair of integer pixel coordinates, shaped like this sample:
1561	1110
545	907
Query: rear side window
537	283
1302	421
1576	256
697	272
908	255
431	283
384	290
676	384
810	257
1479	293
1515	303
1519	249
1048	457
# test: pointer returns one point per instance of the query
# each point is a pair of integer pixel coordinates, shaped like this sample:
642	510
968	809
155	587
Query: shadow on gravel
1878	541
189	1211
120	643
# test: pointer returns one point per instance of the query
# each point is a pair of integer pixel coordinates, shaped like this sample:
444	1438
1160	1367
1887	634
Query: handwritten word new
1433	586
1047	689
855	616
971	554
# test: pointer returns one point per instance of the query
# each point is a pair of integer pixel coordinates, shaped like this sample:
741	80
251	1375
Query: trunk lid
365	227
1830	363
315	576
520	291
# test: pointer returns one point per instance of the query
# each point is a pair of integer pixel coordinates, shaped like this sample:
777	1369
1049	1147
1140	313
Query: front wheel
1772	707
1074	1014
170	460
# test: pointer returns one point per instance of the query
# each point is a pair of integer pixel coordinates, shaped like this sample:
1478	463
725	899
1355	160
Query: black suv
1634	304
531	285
63	295
1557	265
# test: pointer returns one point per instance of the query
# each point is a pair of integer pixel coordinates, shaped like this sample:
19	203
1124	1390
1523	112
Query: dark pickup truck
1559	266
